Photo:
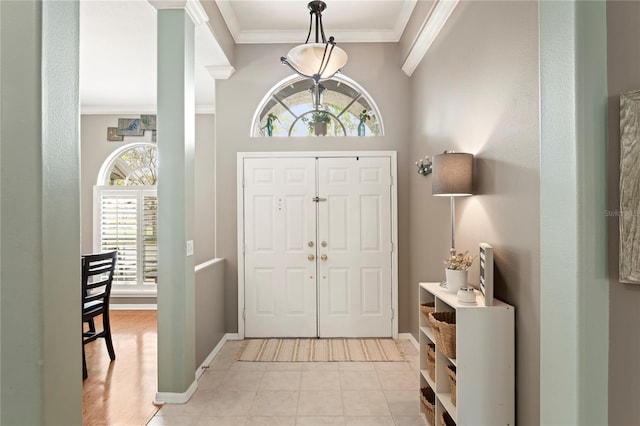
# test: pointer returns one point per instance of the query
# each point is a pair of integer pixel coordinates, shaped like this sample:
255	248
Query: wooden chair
97	276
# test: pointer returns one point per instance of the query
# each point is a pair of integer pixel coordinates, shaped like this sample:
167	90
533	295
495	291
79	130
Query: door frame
392	155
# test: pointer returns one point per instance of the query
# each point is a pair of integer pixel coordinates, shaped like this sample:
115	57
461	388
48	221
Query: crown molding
297	36
220	72
403	18
229	16
294	37
430	29
193	8
118	109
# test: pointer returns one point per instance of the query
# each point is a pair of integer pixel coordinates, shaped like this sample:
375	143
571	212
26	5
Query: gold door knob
324	244
310	243
323	257
311	257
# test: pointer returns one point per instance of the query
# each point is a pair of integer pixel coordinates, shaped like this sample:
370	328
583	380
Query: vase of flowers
271	119
457	268
364	116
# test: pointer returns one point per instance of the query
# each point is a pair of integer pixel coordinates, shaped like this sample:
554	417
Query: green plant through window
136	166
291	109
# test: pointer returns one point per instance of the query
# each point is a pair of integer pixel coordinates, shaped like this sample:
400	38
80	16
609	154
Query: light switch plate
190	248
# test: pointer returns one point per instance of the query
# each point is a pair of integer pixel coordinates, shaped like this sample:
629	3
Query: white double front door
317	247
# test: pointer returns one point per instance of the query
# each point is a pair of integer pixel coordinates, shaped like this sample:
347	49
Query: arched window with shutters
295	107
125	217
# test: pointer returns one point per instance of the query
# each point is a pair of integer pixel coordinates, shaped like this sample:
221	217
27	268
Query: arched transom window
336	107
132	165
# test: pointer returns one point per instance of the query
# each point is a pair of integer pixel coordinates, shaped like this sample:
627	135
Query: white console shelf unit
484	360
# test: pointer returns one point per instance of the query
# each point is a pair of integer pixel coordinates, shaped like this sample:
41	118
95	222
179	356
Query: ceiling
118	43
287	21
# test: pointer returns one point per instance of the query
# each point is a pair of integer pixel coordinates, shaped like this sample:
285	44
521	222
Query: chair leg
84	364
107	334
92	326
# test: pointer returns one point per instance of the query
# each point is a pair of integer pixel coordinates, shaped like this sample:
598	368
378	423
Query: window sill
134	293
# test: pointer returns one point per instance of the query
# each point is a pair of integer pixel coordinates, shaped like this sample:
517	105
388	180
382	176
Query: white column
176	148
41	366
574	296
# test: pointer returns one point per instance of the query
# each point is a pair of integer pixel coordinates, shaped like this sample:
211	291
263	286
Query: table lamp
452	177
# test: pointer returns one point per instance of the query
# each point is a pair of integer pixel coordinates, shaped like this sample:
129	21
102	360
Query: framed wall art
629	213
113	136
486	273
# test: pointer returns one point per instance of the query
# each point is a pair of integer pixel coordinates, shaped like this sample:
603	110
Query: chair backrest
97	276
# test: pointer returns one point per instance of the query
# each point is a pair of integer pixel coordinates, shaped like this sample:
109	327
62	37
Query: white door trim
317	154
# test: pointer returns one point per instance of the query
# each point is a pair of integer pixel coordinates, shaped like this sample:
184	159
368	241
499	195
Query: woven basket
431	360
446	419
426	309
444	328
428	399
451	373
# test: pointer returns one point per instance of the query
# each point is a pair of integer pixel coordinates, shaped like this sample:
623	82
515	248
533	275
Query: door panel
354	285
280	220
340	284
339	292
372	290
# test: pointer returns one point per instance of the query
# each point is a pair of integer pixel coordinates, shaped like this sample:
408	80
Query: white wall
258	69
476	91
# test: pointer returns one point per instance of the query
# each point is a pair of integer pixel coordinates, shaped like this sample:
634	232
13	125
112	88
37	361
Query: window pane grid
290	110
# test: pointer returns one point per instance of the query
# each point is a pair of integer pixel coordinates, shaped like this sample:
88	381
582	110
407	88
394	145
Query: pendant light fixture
319	60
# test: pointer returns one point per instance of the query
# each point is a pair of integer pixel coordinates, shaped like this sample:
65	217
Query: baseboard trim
209	359
175	397
409	337
133	306
233	336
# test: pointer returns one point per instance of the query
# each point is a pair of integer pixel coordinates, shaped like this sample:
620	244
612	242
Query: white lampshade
307	59
452	174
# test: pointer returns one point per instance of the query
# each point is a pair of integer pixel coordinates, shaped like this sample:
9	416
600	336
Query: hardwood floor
121	392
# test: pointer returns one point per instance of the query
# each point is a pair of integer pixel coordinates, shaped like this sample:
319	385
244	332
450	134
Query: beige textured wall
376	68
623	57
476	91
209	288
95	149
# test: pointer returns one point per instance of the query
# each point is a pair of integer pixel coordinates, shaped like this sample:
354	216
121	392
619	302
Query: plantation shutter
150	239
119	231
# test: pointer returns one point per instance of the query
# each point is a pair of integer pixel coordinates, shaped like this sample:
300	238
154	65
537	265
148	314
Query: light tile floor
301	393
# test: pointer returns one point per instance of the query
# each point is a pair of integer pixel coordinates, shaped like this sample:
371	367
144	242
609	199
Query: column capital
192	7
220	72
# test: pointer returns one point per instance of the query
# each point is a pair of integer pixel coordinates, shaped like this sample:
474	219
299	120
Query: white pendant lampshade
307	59
317	60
